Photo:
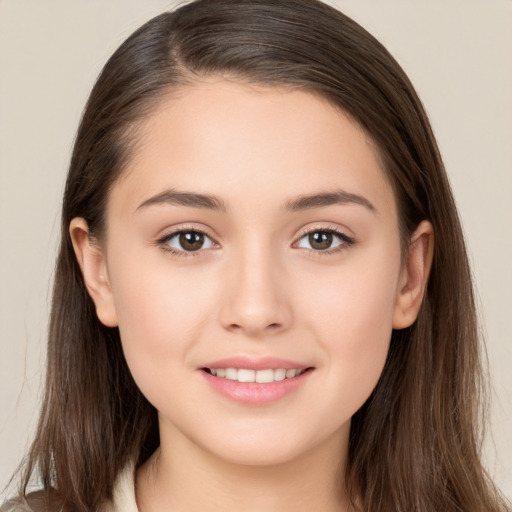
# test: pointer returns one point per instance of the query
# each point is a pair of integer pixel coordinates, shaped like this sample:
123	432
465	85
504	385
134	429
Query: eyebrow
191	199
303	202
324	199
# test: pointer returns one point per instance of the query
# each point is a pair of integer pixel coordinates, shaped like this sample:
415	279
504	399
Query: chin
270	446
244	455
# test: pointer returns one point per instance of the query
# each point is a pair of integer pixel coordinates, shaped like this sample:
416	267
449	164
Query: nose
256	301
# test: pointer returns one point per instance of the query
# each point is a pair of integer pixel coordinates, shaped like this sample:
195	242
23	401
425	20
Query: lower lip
252	393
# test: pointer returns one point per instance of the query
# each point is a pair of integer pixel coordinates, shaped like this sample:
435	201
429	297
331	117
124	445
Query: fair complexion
254	271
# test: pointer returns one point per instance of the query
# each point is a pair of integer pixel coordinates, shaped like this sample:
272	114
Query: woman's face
253	232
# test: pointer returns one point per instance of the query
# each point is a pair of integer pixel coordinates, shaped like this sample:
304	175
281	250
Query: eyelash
346	240
164	240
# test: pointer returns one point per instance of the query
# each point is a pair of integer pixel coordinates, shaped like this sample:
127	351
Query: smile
264	376
265	383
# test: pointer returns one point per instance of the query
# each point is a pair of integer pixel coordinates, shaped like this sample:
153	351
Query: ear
91	260
414	276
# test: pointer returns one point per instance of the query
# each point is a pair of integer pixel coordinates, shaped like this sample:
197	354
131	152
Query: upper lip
260	363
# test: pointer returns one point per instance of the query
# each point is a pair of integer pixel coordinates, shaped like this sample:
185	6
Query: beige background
457	53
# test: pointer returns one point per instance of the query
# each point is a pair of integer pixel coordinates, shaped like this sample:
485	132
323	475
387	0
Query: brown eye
186	241
191	240
320	240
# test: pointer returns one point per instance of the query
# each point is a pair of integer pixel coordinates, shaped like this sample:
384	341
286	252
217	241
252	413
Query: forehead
240	141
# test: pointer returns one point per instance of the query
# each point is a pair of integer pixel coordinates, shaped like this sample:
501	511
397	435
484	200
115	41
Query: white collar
123	499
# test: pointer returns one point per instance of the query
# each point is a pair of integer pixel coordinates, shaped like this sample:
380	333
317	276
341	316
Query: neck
181	477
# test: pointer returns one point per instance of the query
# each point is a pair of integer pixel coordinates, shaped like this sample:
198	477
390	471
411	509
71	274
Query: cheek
161	312
351	315
152	298
358	294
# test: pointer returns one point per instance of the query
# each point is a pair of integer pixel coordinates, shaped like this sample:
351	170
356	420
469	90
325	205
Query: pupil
191	241
320	240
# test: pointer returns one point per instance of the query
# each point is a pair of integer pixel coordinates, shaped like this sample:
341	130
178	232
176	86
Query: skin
259	288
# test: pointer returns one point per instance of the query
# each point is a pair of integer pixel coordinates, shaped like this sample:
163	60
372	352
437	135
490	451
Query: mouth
263	383
263	376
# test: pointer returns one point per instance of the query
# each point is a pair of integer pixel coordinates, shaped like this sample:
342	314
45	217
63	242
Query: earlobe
92	263
414	276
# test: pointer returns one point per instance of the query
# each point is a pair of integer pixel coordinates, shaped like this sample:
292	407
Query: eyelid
347	240
168	234
326	226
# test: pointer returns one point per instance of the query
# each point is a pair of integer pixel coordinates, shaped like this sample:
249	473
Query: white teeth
246	375
279	374
260	376
264	376
231	374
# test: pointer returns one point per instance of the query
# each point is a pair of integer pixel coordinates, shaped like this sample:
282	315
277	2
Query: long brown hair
414	444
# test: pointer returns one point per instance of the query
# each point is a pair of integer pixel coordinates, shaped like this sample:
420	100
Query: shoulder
39	501
123	499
